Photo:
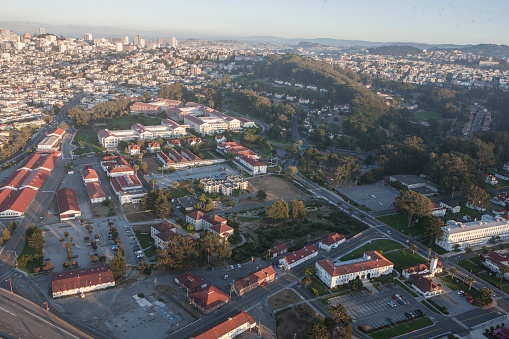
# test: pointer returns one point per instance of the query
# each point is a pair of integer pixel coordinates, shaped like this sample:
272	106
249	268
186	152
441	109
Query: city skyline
434	22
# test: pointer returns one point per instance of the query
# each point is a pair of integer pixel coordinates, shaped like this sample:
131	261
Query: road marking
3	309
420	335
47	322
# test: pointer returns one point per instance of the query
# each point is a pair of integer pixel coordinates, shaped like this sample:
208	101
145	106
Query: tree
307	281
298	210
310	270
144	267
118	266
413	248
178	254
261	194
34	237
412	205
152	182
470	281
340	317
453	271
47	266
469	250
503	269
484	296
293	150
163	210
432	228
64	126
318	331
477	196
292	170
279	210
356	284
175	184
6	235
485	249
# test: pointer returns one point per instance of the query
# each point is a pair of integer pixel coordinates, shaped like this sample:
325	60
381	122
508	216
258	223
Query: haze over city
435	22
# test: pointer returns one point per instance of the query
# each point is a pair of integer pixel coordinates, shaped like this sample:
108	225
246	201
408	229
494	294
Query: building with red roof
95	192
229	328
128	188
208	299
332	241
189	155
427	270
190	282
196	219
222	229
425	286
134	149
81	281
164	160
279	250
298	257
154	147
115	166
144	108
437	210
68	205
175	156
372	265
162	232
89	174
252	165
57	133
14	203
254	280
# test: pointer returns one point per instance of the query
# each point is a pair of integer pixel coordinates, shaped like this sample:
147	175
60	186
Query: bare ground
284	298
276	188
297	319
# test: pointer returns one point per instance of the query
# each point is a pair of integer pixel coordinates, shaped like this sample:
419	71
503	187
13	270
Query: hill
488	50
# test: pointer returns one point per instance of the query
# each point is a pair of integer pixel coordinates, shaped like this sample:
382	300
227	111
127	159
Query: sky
424	21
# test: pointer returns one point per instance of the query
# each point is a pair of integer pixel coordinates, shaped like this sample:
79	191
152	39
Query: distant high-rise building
42	31
88	37
119	47
26	36
126	40
173	42
137	40
160	41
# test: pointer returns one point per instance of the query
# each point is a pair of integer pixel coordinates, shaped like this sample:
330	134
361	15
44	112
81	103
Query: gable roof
71	280
302	253
332	239
376	260
426	285
67	200
221	228
226	326
190	281
209	297
254	278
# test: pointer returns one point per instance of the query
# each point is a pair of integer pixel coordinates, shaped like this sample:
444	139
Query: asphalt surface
20	318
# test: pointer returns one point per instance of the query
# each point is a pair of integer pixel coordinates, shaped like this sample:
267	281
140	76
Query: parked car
390	320
238	265
461	292
263	283
225	277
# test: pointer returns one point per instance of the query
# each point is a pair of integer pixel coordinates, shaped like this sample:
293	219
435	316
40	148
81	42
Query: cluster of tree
250	137
34	237
338	325
281	211
176	91
102	112
206	204
183	251
17	141
343	168
441	100
158	201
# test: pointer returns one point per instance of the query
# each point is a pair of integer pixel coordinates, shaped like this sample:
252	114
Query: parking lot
373	309
377	197
166	180
55	251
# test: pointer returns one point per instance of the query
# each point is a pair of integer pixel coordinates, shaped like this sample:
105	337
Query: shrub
48	266
37	269
97	236
61	239
141	295
87	238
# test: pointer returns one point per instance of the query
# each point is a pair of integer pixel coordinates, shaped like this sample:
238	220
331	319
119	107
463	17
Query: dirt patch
276	188
101	211
153	165
298	319
284	298
335	119
134	213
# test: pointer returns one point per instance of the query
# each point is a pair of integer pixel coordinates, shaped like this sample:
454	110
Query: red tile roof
198	215
265	274
221	229
377	260
163	226
332	239
227	326
426	285
58	132
165	158
89	173
190	281
253	162
67	201
213	219
209	297
497	258
279	248
176	156
16	179
17	201
70	280
302	253
95	190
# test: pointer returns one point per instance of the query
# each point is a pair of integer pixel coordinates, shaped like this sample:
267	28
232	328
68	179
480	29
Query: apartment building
298	257
224	186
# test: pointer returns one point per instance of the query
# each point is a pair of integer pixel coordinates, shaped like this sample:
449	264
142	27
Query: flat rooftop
459	227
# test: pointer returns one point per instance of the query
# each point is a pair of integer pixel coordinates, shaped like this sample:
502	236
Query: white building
473	233
81	281
332	241
251	165
372	265
298	257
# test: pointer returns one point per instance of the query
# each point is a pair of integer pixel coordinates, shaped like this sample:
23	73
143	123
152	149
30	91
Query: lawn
81	138
400	259
376	245
426	115
470	266
150	252
33	264
264	150
126	121
208	155
492	279
402	329
458	285
179	193
400	223
318	286
145	240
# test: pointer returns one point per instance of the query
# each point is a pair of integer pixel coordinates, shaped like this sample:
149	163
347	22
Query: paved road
20	318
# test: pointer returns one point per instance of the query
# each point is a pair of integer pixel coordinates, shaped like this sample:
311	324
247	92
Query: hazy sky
428	21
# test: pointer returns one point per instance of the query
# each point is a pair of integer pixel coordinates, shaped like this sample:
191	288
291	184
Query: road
20	318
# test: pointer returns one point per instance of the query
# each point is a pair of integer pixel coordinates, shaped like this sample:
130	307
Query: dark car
419	312
408	315
390	320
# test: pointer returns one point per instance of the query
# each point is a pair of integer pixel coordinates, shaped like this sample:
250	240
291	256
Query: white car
238	265
335	246
460	292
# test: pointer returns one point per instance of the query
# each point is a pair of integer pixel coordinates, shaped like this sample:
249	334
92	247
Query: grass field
375	245
402	329
81	138
426	115
458	285
492	279
400	223
145	240
400	259
208	155
179	193
470	266
318	286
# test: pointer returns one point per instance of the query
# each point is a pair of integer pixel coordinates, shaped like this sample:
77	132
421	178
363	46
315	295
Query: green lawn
179	193
470	266
492	279
376	245
402	329
400	259
318	286
126	121
145	240
458	285
208	155
264	150
29	268
81	138
150	252
400	223
426	115
430	307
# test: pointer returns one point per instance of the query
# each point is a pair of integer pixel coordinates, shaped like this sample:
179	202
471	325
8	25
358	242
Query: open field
375	245
275	188
297	319
400	223
284	298
400	259
376	197
426	115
